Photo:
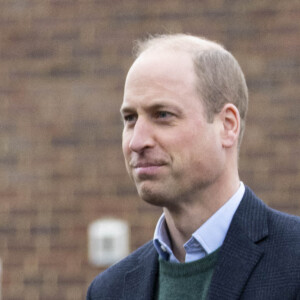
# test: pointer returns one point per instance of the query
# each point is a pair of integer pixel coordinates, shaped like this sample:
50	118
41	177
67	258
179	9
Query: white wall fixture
108	241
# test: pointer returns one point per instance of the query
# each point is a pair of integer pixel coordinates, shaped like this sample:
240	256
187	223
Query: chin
154	197
150	196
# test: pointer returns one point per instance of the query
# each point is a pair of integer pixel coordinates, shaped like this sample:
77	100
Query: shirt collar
207	238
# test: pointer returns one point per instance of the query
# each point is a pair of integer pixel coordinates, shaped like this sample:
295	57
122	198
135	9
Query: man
184	109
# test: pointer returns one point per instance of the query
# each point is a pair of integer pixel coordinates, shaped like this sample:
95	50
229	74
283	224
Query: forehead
161	73
167	64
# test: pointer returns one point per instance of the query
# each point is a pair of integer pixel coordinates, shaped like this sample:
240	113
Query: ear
230	118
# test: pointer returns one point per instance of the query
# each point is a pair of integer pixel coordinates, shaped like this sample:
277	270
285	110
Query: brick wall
62	68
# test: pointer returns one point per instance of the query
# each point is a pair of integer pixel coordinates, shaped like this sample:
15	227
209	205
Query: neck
184	219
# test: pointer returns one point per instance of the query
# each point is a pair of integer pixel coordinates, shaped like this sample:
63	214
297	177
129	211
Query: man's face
170	149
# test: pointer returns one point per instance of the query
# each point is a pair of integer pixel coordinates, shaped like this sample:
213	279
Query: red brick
63	65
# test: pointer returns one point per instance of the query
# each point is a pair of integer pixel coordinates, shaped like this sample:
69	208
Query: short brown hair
220	78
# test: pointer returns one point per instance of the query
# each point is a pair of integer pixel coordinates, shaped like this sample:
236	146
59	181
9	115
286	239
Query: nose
142	136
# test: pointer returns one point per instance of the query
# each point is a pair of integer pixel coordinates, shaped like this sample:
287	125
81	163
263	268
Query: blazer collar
238	256
140	283
240	252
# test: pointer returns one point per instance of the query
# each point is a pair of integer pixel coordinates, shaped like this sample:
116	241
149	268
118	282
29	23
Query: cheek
125	144
196	150
126	155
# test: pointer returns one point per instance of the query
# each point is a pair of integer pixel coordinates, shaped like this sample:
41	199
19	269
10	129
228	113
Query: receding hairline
220	77
184	42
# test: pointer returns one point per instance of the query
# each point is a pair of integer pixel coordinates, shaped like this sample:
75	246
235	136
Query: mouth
147	164
145	170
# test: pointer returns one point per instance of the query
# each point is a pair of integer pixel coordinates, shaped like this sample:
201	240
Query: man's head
220	79
176	144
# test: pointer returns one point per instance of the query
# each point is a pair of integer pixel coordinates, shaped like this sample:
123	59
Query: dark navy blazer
259	260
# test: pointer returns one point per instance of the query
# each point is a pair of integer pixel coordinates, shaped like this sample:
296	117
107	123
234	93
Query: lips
147	169
147	165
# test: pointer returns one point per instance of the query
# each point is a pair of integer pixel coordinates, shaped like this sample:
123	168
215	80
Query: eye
130	118
163	114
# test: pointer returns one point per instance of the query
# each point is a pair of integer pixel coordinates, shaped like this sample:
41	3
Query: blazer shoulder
285	225
263	223
111	280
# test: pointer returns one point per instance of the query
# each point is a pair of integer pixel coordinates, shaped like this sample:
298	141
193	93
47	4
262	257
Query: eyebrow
153	106
126	109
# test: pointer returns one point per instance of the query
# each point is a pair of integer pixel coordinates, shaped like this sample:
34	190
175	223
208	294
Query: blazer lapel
140	282
240	252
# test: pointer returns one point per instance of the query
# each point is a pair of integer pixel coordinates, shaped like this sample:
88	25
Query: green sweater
186	281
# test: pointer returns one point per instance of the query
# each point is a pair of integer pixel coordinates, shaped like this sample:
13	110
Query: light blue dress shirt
206	239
